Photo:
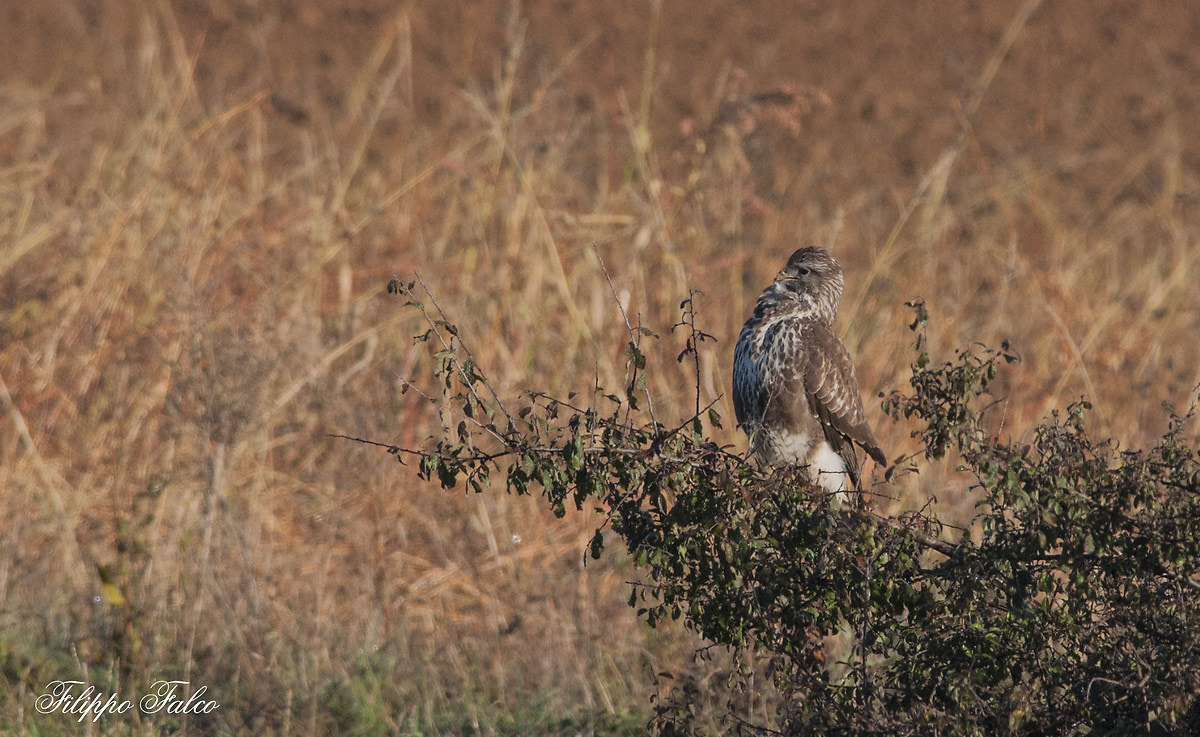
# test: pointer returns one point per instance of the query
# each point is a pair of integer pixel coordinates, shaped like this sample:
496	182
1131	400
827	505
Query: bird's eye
802	271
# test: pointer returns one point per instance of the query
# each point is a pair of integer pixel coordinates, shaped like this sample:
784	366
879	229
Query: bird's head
814	277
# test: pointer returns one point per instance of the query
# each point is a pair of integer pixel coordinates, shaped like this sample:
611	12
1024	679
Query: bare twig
695	338
926	541
635	337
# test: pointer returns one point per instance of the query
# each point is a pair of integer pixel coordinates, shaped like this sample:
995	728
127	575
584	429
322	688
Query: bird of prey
794	388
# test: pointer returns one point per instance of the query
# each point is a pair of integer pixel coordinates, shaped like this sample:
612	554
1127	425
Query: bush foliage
1070	605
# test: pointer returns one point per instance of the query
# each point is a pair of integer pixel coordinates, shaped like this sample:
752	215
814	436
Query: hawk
794	389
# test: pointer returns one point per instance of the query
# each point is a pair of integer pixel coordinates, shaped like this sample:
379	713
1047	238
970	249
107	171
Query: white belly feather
828	469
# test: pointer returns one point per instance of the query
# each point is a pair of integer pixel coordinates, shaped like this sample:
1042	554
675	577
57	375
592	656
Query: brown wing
832	391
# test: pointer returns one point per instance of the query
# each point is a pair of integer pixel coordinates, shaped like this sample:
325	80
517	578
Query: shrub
1073	608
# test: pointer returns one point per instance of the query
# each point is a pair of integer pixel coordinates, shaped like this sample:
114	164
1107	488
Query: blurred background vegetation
201	203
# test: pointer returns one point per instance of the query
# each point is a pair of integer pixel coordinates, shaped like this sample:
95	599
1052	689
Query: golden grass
200	207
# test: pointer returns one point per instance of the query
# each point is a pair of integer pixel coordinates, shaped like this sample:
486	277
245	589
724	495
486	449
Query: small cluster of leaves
1077	611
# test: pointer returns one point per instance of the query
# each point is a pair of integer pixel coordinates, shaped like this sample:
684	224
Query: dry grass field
201	204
